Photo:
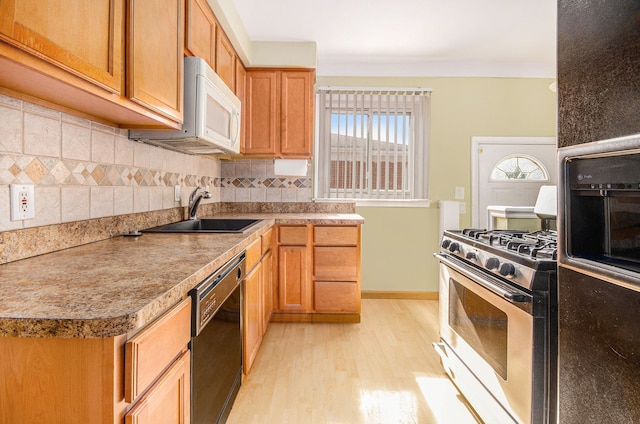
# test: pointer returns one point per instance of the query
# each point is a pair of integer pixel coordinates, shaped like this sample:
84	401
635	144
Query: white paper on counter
290	167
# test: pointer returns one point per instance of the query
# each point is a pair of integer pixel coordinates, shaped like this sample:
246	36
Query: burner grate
535	245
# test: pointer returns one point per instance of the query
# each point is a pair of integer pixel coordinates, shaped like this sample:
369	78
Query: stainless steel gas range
498	322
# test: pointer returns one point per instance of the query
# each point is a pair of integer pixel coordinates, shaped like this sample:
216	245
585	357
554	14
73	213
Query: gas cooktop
519	257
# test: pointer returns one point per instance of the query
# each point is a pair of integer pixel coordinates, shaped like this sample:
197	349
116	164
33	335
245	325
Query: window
372	144
521	168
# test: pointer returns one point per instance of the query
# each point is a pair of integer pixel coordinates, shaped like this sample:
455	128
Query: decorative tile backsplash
91	182
84	170
255	181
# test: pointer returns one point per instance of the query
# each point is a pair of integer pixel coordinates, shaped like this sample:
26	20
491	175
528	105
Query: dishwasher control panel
211	293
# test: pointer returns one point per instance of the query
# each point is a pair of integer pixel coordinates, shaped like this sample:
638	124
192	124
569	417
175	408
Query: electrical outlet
22	202
176	193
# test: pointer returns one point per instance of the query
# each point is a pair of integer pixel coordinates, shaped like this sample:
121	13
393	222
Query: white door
508	171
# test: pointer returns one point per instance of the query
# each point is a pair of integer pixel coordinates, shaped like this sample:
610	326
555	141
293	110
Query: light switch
459	193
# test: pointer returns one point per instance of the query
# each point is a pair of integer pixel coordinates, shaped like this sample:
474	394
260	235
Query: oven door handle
512	295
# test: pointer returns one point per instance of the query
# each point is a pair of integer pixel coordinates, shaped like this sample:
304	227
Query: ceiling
413	37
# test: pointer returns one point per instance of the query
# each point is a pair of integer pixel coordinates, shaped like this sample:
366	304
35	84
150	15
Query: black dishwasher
216	343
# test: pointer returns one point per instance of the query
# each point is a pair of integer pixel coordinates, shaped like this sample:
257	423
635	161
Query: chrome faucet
194	201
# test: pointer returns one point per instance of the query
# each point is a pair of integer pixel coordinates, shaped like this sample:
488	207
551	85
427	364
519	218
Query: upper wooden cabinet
241	92
155	56
279	113
205	38
225	59
70	55
261	113
87	42
200	34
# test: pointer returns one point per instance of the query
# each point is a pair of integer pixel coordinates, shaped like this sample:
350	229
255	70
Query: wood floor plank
382	370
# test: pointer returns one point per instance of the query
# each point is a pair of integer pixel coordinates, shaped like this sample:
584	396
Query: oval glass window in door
519	168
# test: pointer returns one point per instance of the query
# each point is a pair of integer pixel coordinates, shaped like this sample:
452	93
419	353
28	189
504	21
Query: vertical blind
372	143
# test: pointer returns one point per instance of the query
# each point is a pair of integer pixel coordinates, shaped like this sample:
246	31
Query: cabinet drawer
148	353
168	399
335	263
336	236
336	297
253	254
267	239
293	235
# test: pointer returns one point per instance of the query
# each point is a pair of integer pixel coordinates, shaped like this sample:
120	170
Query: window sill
395	203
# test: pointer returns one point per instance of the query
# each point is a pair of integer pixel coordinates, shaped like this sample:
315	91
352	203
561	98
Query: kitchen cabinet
318	273
258	297
155	55
225	59
267	279
99	380
252	330
46	30
294	279
168	400
205	38
279	117
200	34
241	92
336	269
47	56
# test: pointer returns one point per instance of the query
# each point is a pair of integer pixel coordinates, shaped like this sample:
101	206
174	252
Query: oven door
487	326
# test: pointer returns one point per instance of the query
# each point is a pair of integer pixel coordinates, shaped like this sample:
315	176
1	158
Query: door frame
476	142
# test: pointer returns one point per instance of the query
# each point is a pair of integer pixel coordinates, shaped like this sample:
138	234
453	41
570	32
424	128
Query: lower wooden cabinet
294	277
336	269
169	400
252	324
82	380
267	290
258	297
318	273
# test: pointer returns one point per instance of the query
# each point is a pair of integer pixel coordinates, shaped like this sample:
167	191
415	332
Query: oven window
624	219
480	324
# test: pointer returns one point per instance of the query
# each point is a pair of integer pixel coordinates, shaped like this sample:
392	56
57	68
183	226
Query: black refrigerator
599	211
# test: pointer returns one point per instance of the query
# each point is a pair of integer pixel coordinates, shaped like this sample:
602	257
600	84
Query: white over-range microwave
211	116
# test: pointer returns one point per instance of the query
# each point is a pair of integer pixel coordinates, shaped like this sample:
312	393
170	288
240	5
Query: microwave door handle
236	116
512	296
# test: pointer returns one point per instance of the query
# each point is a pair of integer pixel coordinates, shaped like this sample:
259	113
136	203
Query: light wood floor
381	371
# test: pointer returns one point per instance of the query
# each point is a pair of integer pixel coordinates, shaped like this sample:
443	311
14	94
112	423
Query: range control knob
445	243
507	270
492	263
454	247
472	256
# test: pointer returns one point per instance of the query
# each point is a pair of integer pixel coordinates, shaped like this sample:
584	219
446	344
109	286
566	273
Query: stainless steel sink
214	225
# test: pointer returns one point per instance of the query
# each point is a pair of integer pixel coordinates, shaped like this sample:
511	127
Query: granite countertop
119	285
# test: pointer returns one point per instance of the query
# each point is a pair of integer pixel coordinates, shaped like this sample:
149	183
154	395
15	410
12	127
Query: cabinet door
225	59
155	55
294	293
267	290
241	92
252	317
296	133
168	401
262	105
87	42
201	31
